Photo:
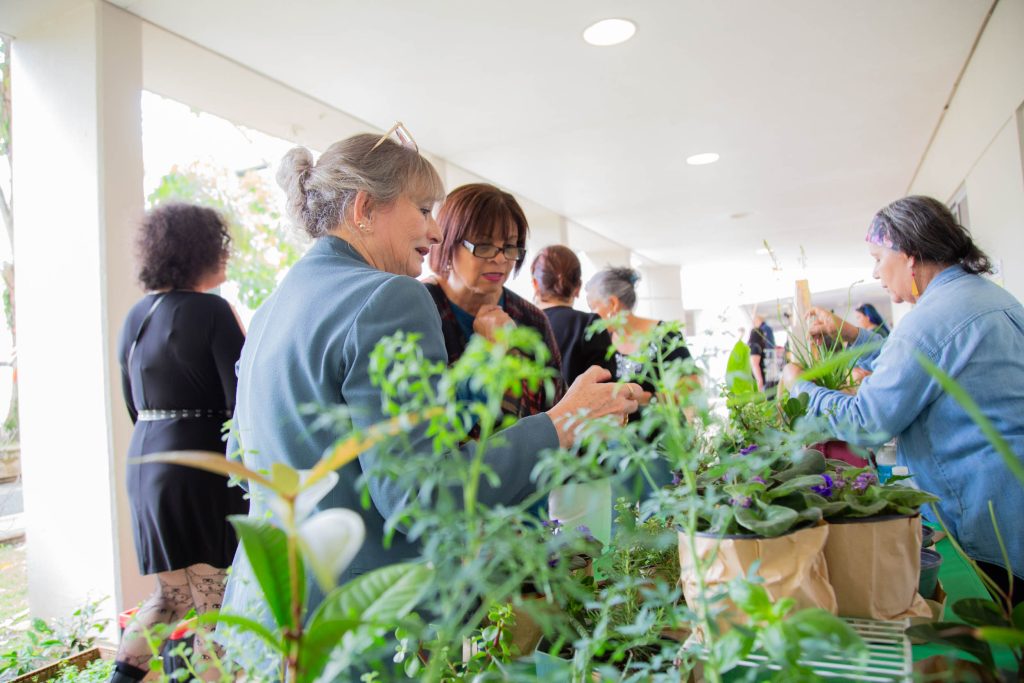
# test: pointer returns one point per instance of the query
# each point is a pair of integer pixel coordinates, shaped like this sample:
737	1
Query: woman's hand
594	394
489	319
790	376
826	323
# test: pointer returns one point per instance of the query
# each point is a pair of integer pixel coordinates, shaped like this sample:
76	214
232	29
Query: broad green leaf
806	461
209	461
956	635
383	595
266	548
979	612
766	520
243	623
1001	635
1018	616
739	378
800	483
318	643
954	389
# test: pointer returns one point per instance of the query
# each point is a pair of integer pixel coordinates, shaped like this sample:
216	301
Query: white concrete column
660	292
76	78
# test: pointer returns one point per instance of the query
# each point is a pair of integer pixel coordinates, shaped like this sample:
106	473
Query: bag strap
135	342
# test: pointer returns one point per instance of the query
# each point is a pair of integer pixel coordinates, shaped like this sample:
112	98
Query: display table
959	581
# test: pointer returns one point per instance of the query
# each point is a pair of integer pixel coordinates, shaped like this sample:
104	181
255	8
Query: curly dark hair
178	244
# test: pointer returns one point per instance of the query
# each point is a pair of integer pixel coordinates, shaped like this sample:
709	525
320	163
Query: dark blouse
579	351
522	312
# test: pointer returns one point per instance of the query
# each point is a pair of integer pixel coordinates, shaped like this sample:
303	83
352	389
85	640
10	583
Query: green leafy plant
323	543
45	642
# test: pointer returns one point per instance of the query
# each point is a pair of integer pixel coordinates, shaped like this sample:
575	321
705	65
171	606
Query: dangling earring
913	285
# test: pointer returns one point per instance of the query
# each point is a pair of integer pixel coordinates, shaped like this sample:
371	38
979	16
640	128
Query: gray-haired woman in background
612	293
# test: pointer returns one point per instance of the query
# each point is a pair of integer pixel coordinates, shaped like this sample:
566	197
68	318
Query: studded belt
183	414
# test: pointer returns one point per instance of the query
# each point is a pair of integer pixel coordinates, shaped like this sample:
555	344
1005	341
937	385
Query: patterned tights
200	586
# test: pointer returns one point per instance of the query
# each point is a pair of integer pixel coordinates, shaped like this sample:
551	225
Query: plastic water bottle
885	460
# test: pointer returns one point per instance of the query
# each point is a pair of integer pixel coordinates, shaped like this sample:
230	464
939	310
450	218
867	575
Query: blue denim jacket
974	331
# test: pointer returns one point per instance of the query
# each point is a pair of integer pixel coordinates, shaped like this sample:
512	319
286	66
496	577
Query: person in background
483	243
177	351
557	280
762	353
611	293
973	330
368	203
869	318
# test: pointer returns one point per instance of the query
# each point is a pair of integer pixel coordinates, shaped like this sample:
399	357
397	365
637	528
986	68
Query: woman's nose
433	231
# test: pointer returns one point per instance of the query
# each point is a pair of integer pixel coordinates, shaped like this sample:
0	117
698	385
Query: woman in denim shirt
973	330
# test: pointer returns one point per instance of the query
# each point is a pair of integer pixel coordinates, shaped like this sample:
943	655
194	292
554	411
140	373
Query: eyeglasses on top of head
512	253
402	133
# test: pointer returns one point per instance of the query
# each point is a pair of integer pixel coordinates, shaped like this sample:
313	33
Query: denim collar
954	272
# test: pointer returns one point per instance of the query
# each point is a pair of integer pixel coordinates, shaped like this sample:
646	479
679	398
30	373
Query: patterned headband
878	233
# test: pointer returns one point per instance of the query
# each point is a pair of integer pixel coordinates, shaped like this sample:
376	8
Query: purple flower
743	502
759	480
748	450
863	481
677	478
551	524
839	482
585	531
825	487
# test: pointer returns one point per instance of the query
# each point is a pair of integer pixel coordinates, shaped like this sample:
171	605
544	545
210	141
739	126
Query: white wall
978	144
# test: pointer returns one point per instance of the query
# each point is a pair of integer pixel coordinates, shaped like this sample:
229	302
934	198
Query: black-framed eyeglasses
512	252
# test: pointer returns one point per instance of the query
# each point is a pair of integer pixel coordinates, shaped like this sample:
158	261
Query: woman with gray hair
611	294
973	330
368	202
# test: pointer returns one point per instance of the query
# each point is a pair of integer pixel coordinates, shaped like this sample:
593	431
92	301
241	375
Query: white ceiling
820	109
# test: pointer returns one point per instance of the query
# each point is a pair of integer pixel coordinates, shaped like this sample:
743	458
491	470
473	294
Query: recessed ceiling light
701	159
609	32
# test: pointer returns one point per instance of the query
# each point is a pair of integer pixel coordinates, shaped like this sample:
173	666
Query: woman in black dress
178	349
557	280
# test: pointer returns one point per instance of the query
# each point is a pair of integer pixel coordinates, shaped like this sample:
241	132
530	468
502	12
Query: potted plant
874	546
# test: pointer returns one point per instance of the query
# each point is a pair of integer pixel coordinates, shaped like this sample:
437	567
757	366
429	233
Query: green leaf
1018	616
839	363
752	598
799	483
243	623
979	612
266	547
318	643
951	386
732	648
956	635
739	378
819	623
806	461
383	595
1000	635
766	520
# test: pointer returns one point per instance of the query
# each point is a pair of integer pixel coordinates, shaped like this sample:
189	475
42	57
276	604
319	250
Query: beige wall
978	144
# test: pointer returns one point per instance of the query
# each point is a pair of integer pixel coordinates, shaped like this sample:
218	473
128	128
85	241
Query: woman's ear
362	207
614	305
536	285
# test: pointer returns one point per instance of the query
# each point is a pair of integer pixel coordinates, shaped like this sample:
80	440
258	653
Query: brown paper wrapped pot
874	564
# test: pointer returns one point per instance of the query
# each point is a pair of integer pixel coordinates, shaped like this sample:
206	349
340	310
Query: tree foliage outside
263	245
9	427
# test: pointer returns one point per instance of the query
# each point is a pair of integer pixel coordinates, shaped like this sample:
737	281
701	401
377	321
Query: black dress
579	352
186	360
